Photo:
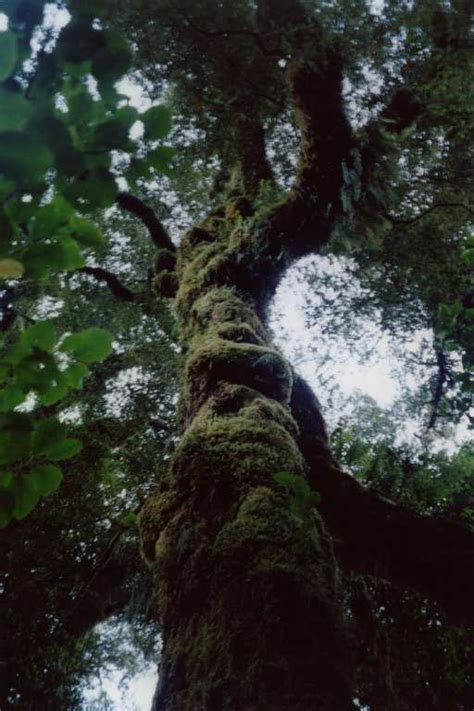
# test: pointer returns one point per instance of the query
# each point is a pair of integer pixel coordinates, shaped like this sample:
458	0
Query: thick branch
158	233
254	165
315	76
120	291
376	536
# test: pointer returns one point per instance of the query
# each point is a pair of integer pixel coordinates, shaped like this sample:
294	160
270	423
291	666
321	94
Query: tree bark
248	597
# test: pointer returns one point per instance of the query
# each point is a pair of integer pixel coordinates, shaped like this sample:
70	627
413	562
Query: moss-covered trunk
247	592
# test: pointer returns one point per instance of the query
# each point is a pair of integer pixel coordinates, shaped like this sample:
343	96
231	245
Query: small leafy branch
64	130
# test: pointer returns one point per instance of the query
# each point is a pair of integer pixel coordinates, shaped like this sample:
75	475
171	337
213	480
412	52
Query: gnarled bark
247	596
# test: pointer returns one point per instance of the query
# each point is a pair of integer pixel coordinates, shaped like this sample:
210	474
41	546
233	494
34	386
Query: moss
259	367
208	268
223	305
152	520
240	207
240	333
222	456
193	238
166	284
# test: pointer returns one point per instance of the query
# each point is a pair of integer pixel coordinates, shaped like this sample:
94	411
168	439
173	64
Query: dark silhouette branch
136	207
377	537
442	364
302	224
118	289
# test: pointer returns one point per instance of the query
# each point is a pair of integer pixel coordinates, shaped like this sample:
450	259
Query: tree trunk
247	591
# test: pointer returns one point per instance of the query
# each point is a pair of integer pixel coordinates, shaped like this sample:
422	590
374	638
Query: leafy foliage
56	144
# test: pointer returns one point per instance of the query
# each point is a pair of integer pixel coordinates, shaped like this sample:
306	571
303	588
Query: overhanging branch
378	537
303	222
118	289
136	207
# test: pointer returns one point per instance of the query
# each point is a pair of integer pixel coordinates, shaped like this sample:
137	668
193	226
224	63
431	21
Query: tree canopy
141	246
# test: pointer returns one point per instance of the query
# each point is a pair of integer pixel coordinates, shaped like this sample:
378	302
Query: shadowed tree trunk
248	598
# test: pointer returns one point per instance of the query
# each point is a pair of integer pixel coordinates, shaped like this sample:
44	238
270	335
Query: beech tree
300	128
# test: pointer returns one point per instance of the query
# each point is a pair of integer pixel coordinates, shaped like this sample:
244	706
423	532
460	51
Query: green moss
240	333
208	268
239	207
222	456
240	583
152	520
223	305
259	367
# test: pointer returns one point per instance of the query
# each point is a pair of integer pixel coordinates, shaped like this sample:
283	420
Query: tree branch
158	233
377	537
120	291
254	165
302	224
442	364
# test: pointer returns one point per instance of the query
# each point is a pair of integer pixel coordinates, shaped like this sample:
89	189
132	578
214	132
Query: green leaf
15	111
8	54
79	69
160	158
65	449
42	335
10	397
23	158
26	495
85	232
57	390
113	61
110	135
7	506
11	269
14	445
47	478
79	41
47	432
90	346
157	122
63	255
129	519
49	218
97	188
76	374
6	231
